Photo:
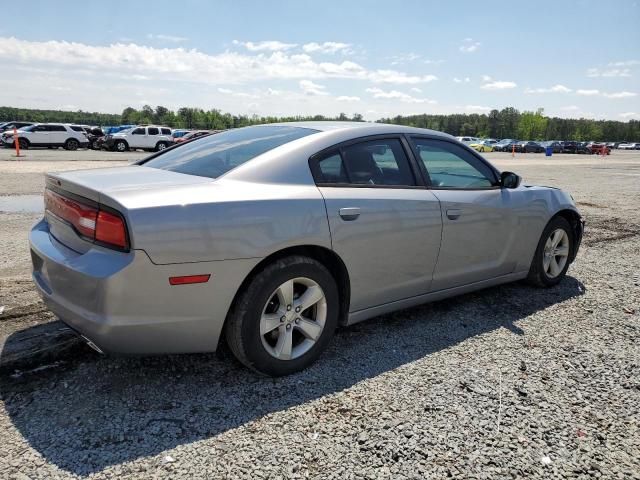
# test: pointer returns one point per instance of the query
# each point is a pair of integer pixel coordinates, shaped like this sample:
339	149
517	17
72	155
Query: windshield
215	155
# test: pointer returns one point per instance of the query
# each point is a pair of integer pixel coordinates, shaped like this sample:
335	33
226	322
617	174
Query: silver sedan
272	236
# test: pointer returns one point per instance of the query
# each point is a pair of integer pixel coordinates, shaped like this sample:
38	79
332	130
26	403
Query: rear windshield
215	155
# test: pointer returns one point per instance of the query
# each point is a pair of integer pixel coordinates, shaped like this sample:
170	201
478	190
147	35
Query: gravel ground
509	382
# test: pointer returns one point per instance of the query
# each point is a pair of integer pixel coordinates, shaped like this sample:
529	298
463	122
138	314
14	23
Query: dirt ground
607	191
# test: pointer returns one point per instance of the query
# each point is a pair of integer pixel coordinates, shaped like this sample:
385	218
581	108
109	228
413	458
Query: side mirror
510	180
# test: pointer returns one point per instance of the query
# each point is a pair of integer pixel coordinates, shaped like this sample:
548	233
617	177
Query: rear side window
166	131
77	129
215	155
153	131
375	162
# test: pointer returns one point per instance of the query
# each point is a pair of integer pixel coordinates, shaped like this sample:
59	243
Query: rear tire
551	260
71	144
265	329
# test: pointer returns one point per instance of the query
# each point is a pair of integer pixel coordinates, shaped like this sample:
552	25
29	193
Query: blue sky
377	58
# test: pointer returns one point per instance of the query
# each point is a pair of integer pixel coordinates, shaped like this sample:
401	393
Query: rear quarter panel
224	220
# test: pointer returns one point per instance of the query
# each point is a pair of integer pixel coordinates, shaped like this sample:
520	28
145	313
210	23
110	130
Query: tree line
506	123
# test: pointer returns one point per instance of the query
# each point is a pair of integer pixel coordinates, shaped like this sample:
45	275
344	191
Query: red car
599	148
194	134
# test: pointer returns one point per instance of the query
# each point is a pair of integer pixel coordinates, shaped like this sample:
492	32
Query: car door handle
349	213
453	213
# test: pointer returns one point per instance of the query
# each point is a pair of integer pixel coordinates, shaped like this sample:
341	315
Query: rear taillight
90	222
110	229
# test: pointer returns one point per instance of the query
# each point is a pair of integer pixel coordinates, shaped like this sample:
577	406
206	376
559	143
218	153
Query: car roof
374	128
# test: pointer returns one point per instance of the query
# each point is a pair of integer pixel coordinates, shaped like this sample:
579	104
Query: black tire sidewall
257	296
538	267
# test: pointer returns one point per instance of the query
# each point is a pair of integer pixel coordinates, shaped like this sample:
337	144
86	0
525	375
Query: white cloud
405	58
626	63
226	91
620	95
588	93
469	46
327	47
166	38
498	85
310	88
346	98
396	95
193	65
570	108
393	76
416	89
476	108
555	89
464	80
267	45
630	115
614	72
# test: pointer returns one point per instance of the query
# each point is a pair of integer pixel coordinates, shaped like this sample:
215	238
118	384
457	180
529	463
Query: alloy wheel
556	253
293	318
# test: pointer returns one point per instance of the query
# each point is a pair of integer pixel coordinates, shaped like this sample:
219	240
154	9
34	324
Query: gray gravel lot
509	382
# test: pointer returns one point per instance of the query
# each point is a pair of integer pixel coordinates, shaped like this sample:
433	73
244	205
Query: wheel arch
575	220
325	256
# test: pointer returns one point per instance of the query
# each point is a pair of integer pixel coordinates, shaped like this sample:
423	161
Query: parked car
627	146
506	146
55	135
468	140
94	134
599	148
556	147
529	147
574	147
9	126
483	145
582	148
194	134
273	235
148	138
175	134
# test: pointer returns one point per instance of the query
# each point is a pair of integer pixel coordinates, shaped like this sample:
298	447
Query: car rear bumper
123	303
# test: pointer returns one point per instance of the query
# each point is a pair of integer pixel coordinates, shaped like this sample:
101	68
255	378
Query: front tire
161	146
120	146
24	144
285	317
551	260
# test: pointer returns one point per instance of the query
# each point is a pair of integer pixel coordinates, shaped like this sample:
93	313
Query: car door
153	135
384	226
57	134
40	135
137	139
479	225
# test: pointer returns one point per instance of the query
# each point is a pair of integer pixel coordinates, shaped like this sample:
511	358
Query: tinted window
451	166
377	162
217	154
138	131
153	131
57	128
332	169
77	129
166	131
41	128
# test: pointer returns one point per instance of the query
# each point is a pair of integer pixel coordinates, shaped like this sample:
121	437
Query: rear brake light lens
110	229
89	222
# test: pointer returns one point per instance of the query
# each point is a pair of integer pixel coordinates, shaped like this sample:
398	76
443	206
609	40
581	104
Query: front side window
138	131
451	166
215	155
